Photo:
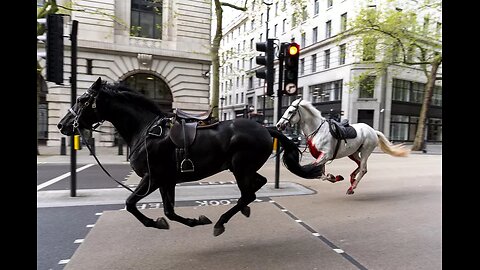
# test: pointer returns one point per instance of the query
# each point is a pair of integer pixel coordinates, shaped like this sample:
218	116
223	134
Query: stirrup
188	166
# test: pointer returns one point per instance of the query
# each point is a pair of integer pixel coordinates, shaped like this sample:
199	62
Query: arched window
146	18
152	87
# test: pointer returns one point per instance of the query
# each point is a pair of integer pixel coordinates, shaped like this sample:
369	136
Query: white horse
324	147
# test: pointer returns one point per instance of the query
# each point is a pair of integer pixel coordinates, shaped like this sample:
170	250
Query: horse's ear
96	85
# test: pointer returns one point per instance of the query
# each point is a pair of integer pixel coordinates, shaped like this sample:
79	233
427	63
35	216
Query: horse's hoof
350	191
338	178
202	220
161	223
246	211
218	230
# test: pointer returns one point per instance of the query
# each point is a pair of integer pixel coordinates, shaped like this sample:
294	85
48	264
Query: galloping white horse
324	147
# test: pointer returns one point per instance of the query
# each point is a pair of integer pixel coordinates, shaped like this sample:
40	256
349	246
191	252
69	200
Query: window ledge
367	99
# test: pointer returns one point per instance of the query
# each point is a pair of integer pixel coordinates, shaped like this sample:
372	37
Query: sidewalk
109	155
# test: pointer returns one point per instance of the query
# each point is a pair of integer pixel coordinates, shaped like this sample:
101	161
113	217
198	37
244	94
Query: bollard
63	147
92	146
120	146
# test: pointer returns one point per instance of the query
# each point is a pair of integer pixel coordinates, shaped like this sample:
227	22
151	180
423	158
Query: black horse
241	146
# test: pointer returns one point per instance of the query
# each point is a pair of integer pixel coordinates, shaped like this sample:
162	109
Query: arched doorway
153	87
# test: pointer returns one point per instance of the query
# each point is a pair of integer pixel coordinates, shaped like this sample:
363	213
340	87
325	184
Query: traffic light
266	72
53	47
291	68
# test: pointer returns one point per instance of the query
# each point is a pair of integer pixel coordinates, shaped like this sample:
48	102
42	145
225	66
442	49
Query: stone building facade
159	48
326	68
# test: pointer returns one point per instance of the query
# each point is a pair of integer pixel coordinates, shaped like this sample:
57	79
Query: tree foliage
399	33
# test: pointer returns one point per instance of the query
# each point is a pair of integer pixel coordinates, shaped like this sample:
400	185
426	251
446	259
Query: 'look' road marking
65	175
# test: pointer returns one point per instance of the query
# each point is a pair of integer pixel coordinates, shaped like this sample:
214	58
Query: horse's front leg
322	158
168	198
144	188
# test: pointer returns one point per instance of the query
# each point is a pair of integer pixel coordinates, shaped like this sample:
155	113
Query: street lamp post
222	98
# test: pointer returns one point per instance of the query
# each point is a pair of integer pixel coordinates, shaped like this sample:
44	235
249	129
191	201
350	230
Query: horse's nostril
59	126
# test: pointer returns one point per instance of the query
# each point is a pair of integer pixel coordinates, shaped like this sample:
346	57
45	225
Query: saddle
183	133
341	131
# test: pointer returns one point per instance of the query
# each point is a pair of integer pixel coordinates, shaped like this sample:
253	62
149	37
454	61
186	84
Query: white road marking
298	220
78	241
90	225
316	234
98	214
338	250
64	261
63	176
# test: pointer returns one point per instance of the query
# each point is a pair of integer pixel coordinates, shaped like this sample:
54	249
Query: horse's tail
397	150
291	157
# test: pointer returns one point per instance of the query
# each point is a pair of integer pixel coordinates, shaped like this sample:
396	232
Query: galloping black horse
241	146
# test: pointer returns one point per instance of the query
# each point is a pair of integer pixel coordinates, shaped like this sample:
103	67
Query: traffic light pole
279	109
73	85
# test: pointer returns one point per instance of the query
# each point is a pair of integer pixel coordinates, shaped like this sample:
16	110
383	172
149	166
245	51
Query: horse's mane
309	106
131	96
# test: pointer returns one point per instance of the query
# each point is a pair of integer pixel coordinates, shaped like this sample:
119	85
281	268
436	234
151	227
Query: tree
388	35
299	7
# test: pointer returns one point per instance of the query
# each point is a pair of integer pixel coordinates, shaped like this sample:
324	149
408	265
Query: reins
99	164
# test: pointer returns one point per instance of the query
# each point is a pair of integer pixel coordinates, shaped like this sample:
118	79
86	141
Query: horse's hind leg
259	182
248	185
168	198
144	188
356	158
363	170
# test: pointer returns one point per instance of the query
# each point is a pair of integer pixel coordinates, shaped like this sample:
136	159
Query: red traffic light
293	49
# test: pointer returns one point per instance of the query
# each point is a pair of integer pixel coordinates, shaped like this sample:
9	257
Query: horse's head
83	114
291	115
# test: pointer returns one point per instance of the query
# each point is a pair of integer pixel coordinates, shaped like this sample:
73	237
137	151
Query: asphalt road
393	221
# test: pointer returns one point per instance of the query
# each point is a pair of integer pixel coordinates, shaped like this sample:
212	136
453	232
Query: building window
314	63
252	23
413	92
367	87
343	22
275	30
302	66
327	59
316	7
324	92
329	3
250	82
303	40
276	9
315	35
284	23
342	54
251	44
146	19
328	29
89	66
369	46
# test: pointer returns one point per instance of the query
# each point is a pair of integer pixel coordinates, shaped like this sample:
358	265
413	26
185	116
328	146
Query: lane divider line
63	176
321	237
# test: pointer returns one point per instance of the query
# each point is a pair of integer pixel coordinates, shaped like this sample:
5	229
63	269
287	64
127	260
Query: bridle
92	99
295	111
